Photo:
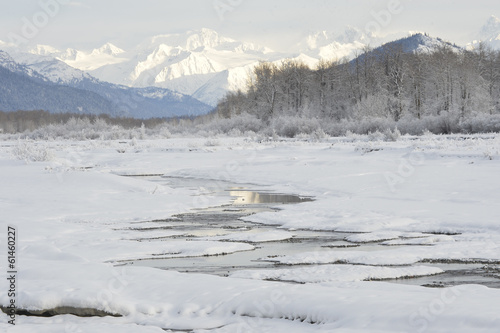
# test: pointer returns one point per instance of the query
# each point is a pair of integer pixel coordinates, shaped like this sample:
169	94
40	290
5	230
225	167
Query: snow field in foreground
76	215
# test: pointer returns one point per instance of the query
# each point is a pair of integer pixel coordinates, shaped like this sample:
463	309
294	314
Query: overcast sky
278	24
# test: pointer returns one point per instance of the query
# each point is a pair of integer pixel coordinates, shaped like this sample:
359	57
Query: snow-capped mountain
108	49
43	82
490	30
187	63
205	65
86	61
488	34
348	43
415	43
22	88
418	43
201	63
330	45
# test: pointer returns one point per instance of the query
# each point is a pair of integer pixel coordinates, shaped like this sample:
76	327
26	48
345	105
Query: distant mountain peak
191	40
419	43
319	39
493	19
109	49
493	22
43	50
491	29
351	35
205	38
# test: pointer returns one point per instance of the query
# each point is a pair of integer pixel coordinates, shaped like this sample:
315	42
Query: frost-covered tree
263	90
396	70
416	85
293	79
437	90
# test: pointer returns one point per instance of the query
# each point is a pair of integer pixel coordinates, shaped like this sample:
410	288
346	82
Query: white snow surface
331	273
76	216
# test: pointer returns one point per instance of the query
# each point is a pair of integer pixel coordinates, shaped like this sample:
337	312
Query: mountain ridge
40	75
205	65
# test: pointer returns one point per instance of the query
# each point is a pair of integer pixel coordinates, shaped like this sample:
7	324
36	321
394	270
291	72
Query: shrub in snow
235	132
490	154
318	135
376	136
212	143
163	132
373	125
142	132
244	123
238	125
412	126
445	123
352	136
481	123
290	126
334	128
392	135
30	151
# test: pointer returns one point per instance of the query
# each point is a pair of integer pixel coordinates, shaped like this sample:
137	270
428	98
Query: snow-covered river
227	223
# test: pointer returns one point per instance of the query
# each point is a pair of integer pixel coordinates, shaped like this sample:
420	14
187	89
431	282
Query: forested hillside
21	92
408	83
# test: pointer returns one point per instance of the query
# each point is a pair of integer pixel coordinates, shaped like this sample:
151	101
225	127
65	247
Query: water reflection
251	197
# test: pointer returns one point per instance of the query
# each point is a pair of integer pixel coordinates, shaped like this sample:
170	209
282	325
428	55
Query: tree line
386	83
27	121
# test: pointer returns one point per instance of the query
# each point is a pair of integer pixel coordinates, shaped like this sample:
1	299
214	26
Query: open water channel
246	199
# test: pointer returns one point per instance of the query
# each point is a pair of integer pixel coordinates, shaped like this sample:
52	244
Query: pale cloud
78	4
277	24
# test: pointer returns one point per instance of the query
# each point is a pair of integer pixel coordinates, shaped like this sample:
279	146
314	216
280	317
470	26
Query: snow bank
330	273
483	251
173	300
